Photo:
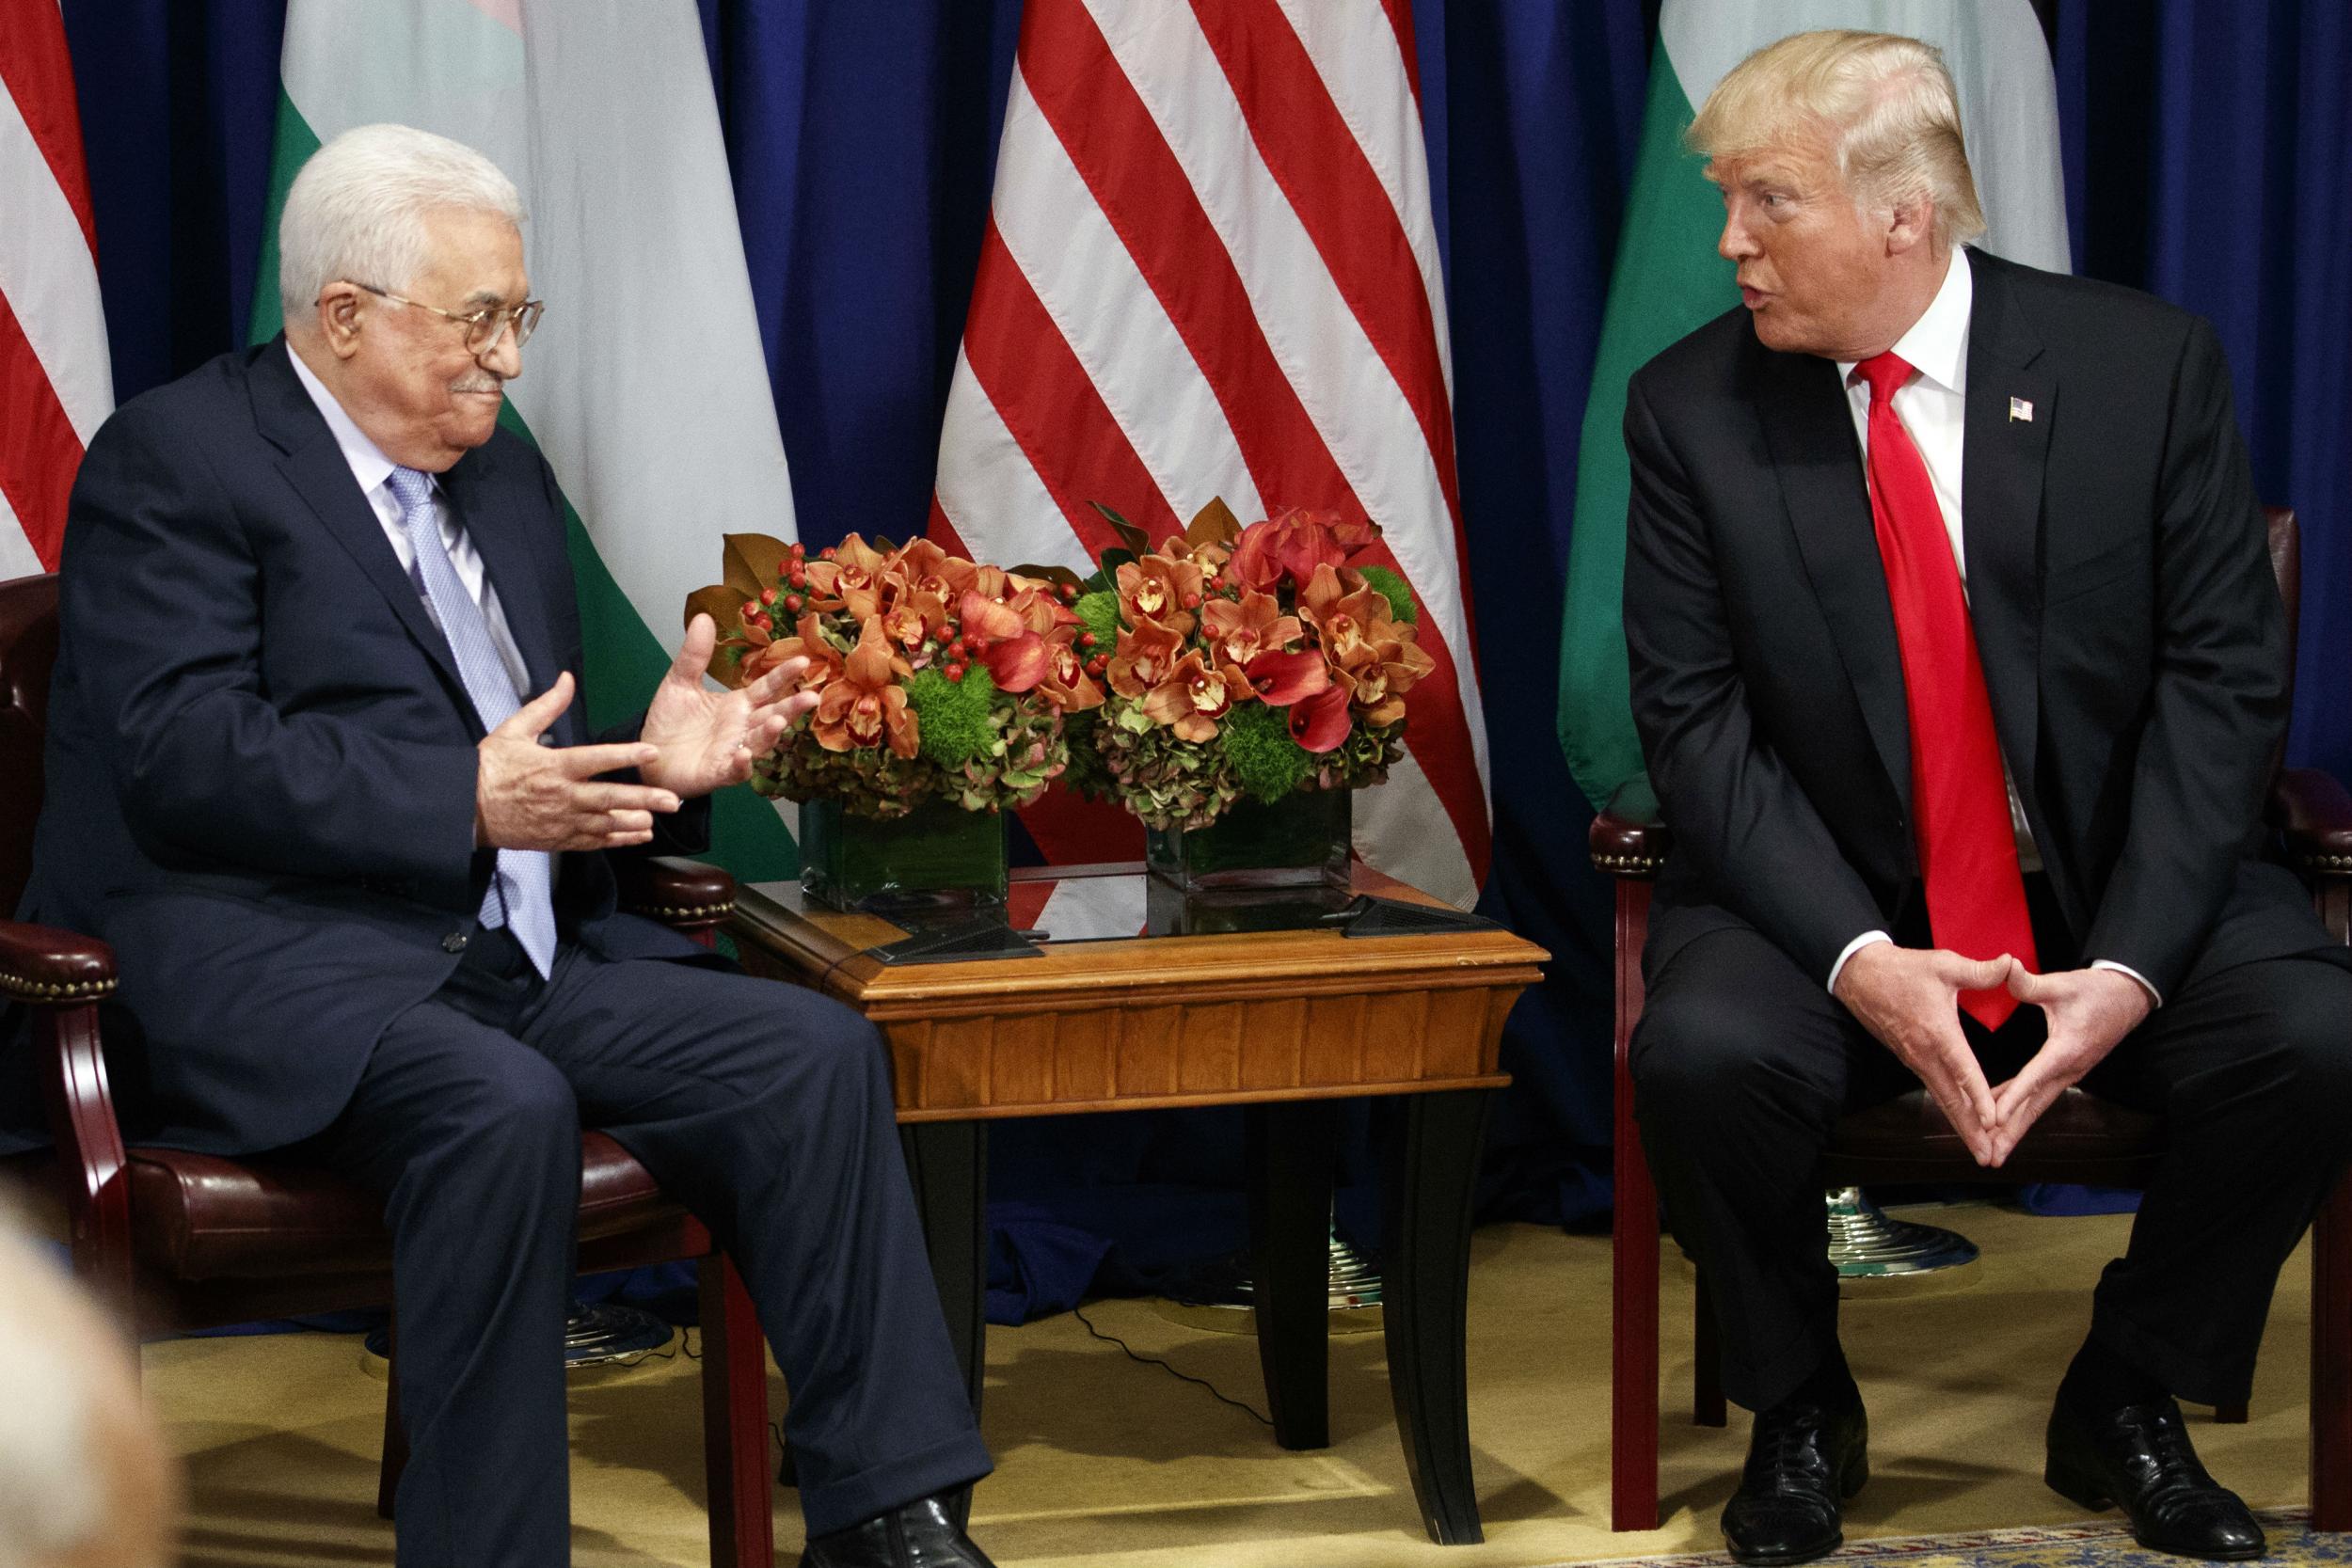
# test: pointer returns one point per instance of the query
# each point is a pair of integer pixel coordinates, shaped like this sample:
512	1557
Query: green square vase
1301	840
937	855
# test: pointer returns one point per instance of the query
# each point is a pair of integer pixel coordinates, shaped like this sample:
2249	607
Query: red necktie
1960	805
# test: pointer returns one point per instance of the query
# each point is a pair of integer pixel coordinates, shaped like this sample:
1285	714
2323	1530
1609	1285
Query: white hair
356	210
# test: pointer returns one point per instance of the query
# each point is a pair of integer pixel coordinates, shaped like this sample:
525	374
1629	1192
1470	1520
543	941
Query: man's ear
1909	226
340	308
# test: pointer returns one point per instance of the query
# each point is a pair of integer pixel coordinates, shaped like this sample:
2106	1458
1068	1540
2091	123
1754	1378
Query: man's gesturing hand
2088	1011
706	739
1910	1001
532	797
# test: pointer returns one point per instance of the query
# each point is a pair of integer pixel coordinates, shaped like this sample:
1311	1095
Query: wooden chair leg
1706	1361
395	1457
1634	1262
2331	1361
734	1420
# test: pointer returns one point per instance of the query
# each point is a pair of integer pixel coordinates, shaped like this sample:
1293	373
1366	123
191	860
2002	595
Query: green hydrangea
1166	782
1392	587
953	715
1266	762
1098	612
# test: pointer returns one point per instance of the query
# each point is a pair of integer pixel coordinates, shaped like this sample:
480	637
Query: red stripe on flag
39	454
37	73
1049	403
1323	171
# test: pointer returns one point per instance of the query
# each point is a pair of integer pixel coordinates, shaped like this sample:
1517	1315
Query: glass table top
1112	903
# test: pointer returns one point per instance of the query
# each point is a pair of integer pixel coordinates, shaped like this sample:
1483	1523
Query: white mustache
485	384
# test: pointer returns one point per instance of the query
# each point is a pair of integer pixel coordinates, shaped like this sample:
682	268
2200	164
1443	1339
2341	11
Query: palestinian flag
1669	281
645	386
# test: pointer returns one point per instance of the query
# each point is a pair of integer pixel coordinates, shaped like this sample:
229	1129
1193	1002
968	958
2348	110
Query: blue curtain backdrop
2208	145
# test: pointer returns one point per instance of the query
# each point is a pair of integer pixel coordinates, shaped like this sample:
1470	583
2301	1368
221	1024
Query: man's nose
1735	245
504	358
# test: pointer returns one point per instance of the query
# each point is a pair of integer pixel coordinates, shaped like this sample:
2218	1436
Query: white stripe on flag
1082	909
50	278
17	559
1356	53
1349	393
1090	286
1394	833
989	490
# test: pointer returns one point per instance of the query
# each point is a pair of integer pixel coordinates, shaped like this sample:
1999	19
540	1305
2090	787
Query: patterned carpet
2099	1545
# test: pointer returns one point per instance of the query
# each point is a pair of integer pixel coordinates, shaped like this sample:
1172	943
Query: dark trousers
1743	1064
765	1108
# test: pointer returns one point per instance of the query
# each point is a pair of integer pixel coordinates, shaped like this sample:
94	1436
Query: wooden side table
1284	1022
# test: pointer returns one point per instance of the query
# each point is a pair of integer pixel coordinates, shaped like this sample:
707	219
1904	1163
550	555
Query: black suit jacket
260	758
2126	615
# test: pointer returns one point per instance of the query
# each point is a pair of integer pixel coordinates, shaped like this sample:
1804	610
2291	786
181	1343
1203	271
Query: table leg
1432	1167
1292	1154
947	1164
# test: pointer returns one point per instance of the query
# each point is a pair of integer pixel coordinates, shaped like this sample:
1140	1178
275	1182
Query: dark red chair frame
177	1241
2080	1139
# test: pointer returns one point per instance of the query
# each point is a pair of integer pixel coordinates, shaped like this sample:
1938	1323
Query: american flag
1210	270
55	383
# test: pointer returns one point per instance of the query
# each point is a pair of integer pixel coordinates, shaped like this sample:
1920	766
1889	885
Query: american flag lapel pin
2019	408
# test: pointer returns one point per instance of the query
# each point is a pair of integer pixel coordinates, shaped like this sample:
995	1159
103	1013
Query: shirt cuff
1865	939
2155	997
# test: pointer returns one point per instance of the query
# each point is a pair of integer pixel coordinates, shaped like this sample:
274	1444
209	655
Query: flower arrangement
1253	662
939	678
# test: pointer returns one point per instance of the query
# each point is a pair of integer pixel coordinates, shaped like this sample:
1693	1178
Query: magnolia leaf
1133	537
751	561
1060	576
1214	524
725	606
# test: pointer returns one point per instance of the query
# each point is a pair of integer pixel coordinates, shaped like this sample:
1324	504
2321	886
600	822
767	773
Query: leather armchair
2080	1138
177	1241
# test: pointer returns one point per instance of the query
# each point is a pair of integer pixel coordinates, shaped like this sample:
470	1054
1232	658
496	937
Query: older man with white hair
1959	671
317	773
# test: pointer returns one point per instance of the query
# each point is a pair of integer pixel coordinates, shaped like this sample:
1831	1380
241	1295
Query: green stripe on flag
1668	283
624	661
289	149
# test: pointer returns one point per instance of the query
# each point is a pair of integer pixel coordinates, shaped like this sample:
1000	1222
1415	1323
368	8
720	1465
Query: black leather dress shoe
1805	1460
920	1535
2140	1456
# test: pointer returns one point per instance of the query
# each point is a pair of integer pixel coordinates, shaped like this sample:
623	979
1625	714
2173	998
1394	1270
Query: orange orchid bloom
1378	674
1244	628
1343	610
1160	588
1194	697
1147	650
1066	682
851	581
864	706
824	664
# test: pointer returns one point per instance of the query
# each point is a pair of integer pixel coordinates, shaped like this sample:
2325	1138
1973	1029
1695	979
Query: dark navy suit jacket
2125	613
261	765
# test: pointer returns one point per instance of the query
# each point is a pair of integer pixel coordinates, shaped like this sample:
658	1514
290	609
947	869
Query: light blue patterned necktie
520	896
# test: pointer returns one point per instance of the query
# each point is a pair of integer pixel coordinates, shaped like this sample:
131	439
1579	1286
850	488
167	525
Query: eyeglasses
484	327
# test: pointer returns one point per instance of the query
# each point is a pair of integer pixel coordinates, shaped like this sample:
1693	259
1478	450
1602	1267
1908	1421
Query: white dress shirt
1933	408
373	470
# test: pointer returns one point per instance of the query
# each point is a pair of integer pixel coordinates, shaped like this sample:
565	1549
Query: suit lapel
2013	401
1809	428
314	466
